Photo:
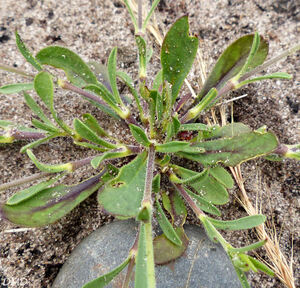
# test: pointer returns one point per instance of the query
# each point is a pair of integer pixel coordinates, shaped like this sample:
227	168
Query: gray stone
203	265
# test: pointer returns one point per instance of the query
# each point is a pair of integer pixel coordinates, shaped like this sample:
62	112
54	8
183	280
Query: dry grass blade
279	264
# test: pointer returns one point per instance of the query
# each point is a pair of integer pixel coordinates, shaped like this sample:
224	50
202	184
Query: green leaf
6	125
277	75
30	192
38	142
27	55
51	204
203	204
104	93
158	80
40	125
242	277
210	230
76	69
38	111
222	176
206	186
112	68
129	83
116	153
103	280
201	106
175	206
232	60
54	168
171	147
15	88
156	184
165	251
228	131
123	195
90	121
194	127
43	85
247	65
247	222
166	226
142	47
248	247
139	135
153	6
144	270
133	18
235	150
90	146
261	266
85	132
101	73
177	54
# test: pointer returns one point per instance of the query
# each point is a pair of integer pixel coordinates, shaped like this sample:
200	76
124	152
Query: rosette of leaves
151	184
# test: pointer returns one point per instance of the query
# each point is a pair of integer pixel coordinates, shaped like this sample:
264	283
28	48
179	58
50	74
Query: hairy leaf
144	271
206	186
26	53
174	204
30	192
38	111
235	150
222	176
166	226
15	88
203	204
123	195
50	168
247	222
76	69
93	124
177	54
111	66
43	85
50	204
139	135
85	132
112	154
232	60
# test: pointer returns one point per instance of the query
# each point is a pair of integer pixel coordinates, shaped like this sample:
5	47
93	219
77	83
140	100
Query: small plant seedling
151	184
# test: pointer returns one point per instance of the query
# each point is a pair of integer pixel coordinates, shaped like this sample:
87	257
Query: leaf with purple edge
232	61
51	204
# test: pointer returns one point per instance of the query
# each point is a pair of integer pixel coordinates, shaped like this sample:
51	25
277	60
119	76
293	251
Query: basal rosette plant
151	184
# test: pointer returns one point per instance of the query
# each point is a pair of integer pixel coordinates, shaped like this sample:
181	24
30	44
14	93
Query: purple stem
68	86
149	175
25	135
189	199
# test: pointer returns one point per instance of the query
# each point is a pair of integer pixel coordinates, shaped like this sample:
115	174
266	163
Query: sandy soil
91	28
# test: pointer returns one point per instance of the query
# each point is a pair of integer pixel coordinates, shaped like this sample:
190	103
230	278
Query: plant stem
82	162
189	200
15	70
149	175
24	180
25	135
68	86
75	165
132	254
